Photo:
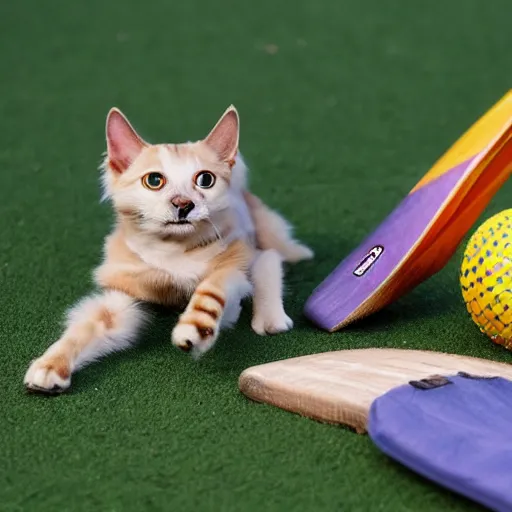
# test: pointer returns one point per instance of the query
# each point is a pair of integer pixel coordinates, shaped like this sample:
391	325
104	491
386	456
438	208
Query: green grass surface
344	106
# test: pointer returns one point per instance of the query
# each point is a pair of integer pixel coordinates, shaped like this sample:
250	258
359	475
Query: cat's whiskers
218	232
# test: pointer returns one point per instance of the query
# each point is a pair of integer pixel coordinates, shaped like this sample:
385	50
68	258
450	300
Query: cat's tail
274	232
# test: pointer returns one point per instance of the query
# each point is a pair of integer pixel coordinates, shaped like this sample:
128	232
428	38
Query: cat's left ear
223	139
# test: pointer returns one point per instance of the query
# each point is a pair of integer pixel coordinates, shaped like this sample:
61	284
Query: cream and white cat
188	235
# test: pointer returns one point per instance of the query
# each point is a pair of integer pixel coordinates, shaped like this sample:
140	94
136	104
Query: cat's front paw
48	375
191	338
271	322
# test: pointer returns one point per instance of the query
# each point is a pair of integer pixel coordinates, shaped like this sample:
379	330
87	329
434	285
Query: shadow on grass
154	339
419	305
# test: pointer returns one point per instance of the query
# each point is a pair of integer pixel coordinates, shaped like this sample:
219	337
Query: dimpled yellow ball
486	278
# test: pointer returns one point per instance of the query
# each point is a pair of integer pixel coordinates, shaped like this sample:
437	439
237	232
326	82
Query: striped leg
215	304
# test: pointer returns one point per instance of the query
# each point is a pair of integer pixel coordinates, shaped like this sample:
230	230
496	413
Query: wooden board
339	387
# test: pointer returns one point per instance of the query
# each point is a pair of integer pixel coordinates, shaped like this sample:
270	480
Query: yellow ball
486	278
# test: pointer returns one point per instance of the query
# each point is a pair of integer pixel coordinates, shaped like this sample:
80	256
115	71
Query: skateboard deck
340	387
421	234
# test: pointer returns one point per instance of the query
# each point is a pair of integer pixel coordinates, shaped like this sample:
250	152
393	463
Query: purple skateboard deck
453	430
421	234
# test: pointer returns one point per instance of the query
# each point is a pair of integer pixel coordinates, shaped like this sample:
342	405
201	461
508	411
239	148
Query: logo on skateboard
368	261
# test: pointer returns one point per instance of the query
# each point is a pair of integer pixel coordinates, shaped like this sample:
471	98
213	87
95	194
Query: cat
188	235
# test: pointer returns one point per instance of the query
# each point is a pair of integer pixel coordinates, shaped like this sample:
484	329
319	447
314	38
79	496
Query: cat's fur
232	247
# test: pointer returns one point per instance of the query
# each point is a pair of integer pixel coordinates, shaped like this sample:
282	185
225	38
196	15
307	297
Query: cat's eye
153	181
205	179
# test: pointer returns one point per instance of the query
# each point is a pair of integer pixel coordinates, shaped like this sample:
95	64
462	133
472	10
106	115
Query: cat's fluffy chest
174	259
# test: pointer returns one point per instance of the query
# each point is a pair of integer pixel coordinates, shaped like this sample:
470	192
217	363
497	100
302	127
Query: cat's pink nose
184	206
180	201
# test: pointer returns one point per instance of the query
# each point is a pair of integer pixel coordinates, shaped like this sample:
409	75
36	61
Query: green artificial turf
344	106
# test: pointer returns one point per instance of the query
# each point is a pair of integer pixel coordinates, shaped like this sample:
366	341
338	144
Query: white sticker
368	261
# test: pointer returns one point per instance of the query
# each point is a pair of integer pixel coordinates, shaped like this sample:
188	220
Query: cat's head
169	189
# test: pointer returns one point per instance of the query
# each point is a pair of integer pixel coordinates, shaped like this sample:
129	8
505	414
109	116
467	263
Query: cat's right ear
123	143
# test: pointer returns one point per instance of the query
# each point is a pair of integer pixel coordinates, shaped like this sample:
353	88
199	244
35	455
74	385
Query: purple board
359	276
455	431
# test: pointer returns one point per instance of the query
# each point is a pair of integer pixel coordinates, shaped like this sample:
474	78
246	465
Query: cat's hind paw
48	375
295	252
